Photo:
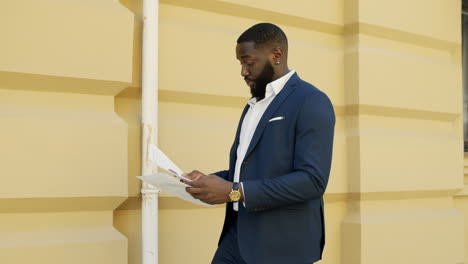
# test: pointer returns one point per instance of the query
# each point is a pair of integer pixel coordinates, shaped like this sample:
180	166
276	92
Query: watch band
235	186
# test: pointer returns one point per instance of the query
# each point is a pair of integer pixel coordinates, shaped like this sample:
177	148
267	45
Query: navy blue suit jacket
284	174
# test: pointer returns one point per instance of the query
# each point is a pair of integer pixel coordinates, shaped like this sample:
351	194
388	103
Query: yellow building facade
70	124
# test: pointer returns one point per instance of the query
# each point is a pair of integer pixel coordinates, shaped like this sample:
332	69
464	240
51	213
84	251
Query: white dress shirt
251	119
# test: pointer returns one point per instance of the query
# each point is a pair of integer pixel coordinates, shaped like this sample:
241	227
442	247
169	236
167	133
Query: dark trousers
228	249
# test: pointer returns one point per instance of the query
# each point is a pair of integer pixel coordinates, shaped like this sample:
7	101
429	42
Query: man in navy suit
279	162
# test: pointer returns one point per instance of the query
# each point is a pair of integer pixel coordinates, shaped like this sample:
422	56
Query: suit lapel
279	99
233	154
239	127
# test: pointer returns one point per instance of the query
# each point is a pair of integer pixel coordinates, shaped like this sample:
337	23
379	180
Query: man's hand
194	175
210	189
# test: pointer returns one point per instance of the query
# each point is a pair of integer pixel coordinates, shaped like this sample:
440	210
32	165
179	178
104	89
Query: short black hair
265	34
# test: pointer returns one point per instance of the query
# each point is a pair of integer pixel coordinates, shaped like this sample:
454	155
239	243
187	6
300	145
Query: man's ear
277	55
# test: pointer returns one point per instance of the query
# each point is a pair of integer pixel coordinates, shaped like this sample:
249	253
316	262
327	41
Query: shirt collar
274	87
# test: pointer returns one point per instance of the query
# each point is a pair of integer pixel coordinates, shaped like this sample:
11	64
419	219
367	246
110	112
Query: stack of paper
160	159
168	183
171	185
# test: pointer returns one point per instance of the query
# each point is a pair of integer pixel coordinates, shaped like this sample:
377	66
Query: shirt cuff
243	193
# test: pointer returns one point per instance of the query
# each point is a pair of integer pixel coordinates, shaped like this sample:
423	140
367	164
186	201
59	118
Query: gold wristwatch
235	194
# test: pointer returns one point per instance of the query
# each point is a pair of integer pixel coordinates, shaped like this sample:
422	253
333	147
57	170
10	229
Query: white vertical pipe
149	102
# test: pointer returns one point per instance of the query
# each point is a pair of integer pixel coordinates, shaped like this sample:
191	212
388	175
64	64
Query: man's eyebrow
245	56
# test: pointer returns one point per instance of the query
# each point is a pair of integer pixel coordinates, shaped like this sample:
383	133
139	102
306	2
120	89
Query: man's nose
244	72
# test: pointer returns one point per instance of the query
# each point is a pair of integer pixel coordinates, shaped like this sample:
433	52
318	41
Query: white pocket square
276	118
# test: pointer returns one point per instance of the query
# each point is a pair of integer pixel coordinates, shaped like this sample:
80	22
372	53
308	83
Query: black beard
261	82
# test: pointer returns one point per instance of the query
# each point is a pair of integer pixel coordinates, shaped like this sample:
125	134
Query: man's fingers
188	176
194	175
196	184
186	182
193	191
196	193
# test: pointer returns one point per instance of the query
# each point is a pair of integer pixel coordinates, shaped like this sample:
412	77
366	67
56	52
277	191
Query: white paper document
171	185
162	161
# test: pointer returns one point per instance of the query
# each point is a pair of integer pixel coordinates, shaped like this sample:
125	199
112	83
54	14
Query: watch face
235	196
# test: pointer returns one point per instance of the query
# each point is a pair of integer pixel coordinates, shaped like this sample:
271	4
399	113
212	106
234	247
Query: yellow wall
70	118
63	149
